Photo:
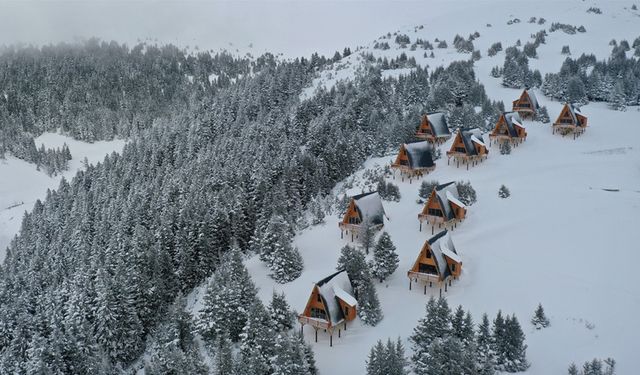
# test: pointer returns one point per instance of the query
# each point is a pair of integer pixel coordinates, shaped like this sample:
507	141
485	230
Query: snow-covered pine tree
426	187
385	258
504	192
514	357
485	361
366	235
542	115
444	356
387	359
573	369
539	319
466	193
369	309
280	311
617	98
435	325
223	363
376	361
286	264
505	148
353	261
258	334
229	294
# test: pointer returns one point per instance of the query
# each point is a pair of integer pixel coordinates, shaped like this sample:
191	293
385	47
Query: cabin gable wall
458	145
352	213
348	311
315	301
434	204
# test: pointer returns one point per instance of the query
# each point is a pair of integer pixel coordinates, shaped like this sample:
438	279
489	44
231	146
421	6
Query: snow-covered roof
420	154
573	109
454	199
512	119
469	137
438	123
441	245
533	98
476	140
369	205
332	288
444	192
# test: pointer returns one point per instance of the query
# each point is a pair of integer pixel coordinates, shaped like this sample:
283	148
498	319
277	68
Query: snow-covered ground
560	239
21	184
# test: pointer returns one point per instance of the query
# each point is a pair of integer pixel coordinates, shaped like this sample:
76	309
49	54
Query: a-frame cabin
527	105
433	128
414	159
330	306
570	120
509	128
363	208
438	262
443	207
468	146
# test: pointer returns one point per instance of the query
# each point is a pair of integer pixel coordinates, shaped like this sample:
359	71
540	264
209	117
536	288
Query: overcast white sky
292	27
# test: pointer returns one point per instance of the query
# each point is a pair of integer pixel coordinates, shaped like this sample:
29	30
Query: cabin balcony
314	322
424	277
405	169
432	219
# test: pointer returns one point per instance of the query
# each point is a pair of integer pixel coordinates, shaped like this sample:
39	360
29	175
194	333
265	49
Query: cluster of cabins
333	301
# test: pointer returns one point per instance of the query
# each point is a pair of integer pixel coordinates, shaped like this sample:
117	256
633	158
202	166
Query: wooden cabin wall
402	157
455	271
351	310
457	143
422	258
351	212
433	202
314	302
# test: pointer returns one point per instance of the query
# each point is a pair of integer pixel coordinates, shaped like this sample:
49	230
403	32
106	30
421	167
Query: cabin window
427	268
525	105
427	130
346	311
318	297
435	212
453	268
354	220
460	149
566	121
427	254
404	162
318	313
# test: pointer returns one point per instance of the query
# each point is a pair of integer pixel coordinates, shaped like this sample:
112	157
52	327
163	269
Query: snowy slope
560	239
21	184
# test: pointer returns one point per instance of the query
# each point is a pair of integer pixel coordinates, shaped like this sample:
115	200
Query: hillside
554	241
110	273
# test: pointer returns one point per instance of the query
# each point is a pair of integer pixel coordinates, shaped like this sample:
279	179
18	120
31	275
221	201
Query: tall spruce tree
385	258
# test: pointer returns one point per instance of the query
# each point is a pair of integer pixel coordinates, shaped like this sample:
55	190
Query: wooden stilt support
409	284
445	286
421	226
301	330
430	284
341	234
338	332
331	339
425	289
432	228
440	291
316	334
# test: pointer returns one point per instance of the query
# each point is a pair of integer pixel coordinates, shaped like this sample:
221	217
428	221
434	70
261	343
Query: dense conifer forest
109	254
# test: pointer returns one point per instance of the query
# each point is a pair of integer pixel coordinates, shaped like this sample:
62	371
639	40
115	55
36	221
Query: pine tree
505	148
280	312
435	325
466	192
617	98
369	309
426	187
485	360
223	361
286	264
367	235
353	261
385	258
539	319
542	115
376	362
504	192
257	335
573	369
513	358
